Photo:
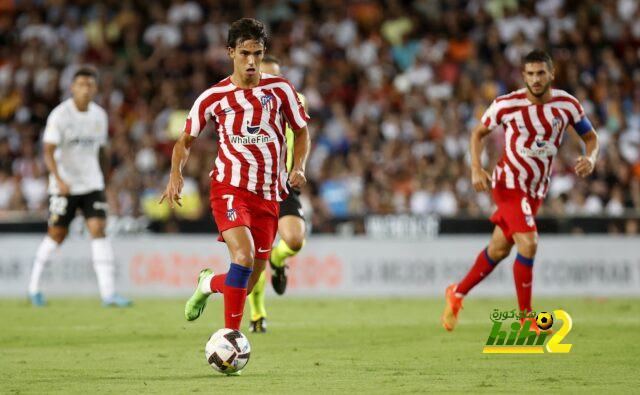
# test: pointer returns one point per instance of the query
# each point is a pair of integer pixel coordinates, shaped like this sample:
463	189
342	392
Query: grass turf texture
313	346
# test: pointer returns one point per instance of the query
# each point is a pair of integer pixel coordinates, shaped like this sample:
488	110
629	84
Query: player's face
247	57
537	78
84	88
270	68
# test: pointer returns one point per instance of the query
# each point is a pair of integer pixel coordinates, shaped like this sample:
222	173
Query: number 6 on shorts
526	208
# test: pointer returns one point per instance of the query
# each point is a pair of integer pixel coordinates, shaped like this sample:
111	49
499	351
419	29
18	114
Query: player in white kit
74	138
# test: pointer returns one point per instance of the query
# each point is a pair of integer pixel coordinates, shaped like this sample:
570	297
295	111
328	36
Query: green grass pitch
313	346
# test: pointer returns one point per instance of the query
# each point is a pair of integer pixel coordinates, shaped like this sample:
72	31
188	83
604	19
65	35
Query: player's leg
263	232
94	209
236	283
233	284
61	211
527	245
257	305
55	236
292	232
257	298
104	264
499	248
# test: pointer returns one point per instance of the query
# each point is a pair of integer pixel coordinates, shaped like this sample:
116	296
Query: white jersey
78	136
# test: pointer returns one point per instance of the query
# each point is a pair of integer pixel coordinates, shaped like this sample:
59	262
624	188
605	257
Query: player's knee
244	257
58	234
528	248
499	253
295	242
97	234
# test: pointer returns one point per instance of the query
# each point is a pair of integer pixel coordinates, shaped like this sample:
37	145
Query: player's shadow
213	375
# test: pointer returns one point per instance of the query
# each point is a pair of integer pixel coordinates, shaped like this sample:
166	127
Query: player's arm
301	146
480	178
105	163
178	160
587	162
50	162
104	154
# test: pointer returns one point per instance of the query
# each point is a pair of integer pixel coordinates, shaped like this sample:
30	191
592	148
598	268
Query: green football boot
196	303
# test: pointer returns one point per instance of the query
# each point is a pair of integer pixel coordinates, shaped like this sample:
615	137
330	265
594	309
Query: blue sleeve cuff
583	126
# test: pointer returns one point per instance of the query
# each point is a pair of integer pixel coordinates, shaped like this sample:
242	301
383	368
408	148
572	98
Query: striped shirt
251	125
533	133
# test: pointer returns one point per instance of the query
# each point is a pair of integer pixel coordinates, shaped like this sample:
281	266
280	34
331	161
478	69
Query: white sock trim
205	286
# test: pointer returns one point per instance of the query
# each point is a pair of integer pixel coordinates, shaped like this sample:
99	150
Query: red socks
233	285
483	266
523	277
217	283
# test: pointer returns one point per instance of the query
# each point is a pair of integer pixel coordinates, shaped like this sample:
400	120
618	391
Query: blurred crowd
394	89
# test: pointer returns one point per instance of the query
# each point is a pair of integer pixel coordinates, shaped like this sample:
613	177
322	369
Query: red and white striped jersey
533	133
251	125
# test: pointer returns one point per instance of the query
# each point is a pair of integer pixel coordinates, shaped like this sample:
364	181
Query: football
227	351
544	320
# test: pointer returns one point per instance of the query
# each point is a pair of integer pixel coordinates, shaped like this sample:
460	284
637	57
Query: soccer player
534	119
74	140
291	228
250	110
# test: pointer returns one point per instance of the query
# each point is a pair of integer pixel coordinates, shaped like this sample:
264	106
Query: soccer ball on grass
227	351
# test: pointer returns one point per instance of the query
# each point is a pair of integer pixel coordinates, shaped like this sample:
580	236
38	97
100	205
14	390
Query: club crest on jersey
530	220
555	124
267	102
232	215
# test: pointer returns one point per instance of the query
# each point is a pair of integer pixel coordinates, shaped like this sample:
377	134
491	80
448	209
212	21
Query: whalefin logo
255	136
253	129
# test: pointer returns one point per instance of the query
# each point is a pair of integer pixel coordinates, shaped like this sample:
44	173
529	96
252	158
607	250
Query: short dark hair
246	29
271	59
538	56
85	71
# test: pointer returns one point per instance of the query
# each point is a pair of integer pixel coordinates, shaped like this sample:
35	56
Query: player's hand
480	179
584	166
297	179
64	188
173	190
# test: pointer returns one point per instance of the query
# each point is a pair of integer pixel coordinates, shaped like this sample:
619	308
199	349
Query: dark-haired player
534	120
74	138
250	111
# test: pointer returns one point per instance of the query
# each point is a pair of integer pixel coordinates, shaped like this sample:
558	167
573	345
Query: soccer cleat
37	299
258	326
116	300
197	302
278	278
453	304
